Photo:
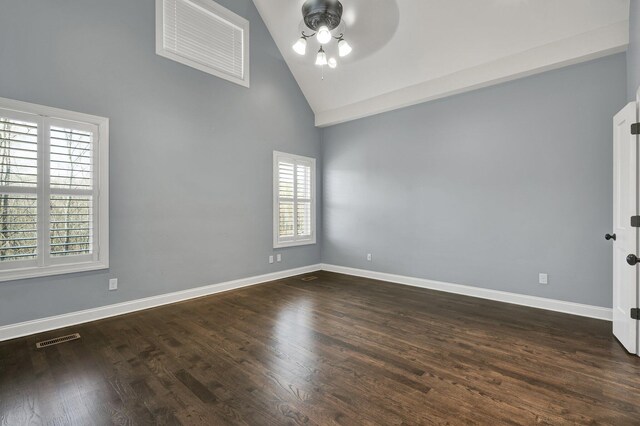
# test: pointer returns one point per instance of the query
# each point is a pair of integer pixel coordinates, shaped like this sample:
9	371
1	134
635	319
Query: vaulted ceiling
412	51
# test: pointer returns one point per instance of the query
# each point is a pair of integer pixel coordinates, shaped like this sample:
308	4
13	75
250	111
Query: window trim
277	155
100	258
222	12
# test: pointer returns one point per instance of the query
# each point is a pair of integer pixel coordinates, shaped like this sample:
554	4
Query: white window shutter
294	200
53	165
303	199
286	195
18	188
71	217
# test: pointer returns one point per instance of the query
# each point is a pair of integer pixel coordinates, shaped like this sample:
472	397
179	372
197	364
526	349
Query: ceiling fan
322	17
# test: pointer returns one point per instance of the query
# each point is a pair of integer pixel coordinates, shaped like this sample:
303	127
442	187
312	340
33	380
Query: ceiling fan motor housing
317	13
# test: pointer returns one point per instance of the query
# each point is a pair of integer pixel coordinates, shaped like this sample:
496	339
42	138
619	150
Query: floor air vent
310	278
57	340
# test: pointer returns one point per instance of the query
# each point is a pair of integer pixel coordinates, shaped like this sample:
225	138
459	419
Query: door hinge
635	221
635	129
635	314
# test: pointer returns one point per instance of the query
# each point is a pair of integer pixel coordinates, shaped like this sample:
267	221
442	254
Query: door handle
633	260
610	237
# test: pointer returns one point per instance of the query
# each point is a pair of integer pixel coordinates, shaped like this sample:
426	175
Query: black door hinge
635	129
635	314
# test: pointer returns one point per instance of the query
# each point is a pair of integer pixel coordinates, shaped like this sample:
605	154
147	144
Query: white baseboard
483	293
27	328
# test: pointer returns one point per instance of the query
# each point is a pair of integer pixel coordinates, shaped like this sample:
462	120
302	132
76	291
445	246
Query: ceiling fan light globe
344	48
321	59
301	46
324	35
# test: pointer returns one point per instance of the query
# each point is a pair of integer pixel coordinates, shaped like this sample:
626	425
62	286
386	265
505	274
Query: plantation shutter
48	192
294	200
303	199
287	198
71	200
202	32
19	139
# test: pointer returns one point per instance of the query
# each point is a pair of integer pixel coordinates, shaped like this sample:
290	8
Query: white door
625	242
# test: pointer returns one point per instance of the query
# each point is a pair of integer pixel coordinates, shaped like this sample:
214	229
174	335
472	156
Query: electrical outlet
369	257
278	257
543	278
270	259
113	284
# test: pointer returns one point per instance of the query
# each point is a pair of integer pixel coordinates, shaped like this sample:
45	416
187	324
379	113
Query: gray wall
633	54
486	189
191	154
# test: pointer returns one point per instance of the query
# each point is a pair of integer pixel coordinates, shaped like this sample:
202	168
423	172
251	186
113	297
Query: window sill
46	271
294	244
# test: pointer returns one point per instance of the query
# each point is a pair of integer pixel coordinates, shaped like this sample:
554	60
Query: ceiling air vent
204	35
57	340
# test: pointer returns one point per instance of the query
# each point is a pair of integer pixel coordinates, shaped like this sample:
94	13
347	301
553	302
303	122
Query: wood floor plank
336	350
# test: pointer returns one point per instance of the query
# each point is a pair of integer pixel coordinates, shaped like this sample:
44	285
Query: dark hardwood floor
336	350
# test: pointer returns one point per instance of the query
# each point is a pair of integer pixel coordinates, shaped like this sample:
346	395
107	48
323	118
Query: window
294	212
204	35
53	191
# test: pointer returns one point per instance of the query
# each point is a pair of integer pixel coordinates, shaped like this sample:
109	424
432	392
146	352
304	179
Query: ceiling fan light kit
322	17
343	47
301	46
324	35
321	59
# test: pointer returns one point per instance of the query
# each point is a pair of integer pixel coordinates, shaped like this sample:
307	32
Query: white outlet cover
113	284
369	257
543	278
279	257
270	259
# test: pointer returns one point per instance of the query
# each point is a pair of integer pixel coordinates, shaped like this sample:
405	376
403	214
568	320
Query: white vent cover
204	35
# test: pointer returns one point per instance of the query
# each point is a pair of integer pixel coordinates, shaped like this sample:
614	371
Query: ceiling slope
412	51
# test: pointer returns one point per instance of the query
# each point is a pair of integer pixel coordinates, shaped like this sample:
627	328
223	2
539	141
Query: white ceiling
411	51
